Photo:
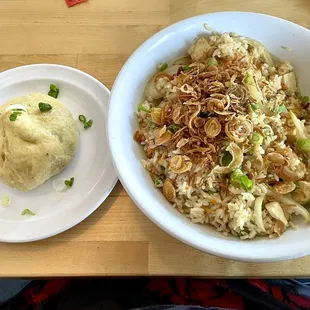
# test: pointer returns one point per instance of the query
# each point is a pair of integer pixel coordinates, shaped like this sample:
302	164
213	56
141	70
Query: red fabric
164	287
208	293
299	300
74	2
181	286
260	284
276	292
180	291
35	295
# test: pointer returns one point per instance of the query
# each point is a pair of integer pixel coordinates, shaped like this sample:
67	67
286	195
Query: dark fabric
172	307
162	294
9	288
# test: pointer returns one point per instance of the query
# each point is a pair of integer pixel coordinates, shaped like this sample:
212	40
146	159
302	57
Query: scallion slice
87	124
212	62
44	107
173	128
69	183
142	108
305	99
303	144
14	115
282	108
27	212
254	107
54	91
227	159
237	179
257	139
163	67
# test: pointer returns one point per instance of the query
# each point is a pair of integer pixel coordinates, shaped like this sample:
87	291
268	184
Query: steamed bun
37	145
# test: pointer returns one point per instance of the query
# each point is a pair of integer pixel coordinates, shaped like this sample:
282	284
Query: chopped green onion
303	144
212	62
305	99
158	181
53	94
225	143
163	67
227	159
82	118
203	114
87	124
152	125
14	115
142	108
54	87
246	182
254	107
27	212
237	178
297	185
44	107
257	139
54	91
173	128
234	177
186	68
304	115
6	201
282	108
18	110
69	183
247	78
244	232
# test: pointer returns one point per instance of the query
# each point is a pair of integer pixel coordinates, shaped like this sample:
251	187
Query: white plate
92	167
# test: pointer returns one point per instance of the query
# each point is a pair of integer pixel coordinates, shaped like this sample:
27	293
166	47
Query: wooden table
97	37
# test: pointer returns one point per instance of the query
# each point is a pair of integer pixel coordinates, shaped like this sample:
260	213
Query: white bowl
167	45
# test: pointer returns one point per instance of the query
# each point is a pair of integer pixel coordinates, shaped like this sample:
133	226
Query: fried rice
226	136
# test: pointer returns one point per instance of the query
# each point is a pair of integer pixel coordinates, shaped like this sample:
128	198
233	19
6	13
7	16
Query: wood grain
294	10
93	258
97	37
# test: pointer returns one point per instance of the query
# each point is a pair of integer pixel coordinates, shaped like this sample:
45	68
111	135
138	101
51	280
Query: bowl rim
261	257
